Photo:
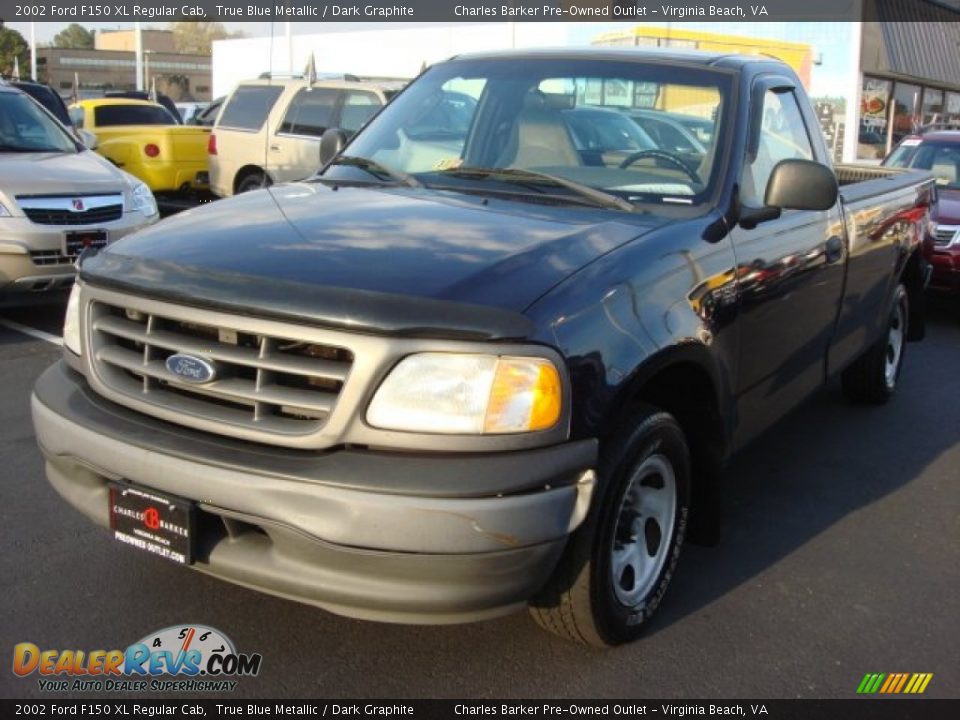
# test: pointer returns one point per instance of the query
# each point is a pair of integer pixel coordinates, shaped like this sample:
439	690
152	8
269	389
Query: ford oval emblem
190	368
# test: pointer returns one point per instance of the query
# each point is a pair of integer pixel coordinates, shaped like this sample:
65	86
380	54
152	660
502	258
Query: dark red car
938	152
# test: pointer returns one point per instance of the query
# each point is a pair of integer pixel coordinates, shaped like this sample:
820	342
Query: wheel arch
913	277
246	171
686	382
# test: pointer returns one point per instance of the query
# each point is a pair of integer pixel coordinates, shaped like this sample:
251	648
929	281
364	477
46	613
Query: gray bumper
399	537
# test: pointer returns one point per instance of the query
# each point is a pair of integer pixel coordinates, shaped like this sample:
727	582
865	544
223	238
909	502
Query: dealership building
894	72
112	65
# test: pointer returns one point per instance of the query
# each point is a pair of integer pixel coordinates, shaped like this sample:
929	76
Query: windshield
570	120
940	158
26	127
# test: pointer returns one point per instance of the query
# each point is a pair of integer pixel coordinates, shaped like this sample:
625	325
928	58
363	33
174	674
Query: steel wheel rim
645	521
894	349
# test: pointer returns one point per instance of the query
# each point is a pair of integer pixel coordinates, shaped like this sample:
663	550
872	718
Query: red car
938	152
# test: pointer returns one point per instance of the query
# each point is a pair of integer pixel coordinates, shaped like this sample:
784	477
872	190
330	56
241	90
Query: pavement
839	556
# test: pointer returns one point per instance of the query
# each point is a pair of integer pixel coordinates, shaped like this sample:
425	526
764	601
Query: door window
358	107
310	112
249	106
783	136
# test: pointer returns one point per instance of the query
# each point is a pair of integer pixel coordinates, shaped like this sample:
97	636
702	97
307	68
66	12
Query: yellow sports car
142	138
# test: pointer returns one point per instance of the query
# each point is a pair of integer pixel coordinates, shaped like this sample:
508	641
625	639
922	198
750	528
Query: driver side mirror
332	143
794	185
88	139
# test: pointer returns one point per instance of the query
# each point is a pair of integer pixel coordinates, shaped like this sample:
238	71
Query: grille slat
945	235
248	357
94	216
271	385
231	389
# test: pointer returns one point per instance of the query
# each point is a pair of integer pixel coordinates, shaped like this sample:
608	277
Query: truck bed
864	182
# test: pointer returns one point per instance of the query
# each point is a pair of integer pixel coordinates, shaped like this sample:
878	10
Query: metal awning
921	39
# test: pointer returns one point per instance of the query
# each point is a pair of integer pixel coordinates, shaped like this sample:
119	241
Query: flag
310	73
153	89
16	68
75	95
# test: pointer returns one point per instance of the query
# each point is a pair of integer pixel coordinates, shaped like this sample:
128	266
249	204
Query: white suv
269	129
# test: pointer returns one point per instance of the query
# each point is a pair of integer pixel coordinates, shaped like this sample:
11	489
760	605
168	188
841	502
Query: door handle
275	148
833	251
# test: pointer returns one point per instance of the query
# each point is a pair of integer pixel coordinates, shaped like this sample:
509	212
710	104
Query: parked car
270	128
56	198
142	138
208	116
435	388
938	152
188	111
677	133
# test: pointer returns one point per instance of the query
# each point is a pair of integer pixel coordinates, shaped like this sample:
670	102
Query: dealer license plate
75	242
157	523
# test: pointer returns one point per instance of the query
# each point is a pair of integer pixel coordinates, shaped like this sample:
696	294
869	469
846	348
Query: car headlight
71	321
143	200
468	394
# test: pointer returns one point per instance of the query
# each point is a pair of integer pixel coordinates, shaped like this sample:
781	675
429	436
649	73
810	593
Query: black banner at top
81	11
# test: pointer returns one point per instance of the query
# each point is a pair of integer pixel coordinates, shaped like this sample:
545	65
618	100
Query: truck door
790	270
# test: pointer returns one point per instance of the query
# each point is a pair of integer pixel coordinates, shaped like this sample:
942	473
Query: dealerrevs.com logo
181	658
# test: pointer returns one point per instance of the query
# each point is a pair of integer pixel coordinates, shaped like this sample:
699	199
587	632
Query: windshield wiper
597	197
376	169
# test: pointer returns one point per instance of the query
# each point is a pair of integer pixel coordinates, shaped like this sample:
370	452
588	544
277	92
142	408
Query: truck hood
308	243
80	173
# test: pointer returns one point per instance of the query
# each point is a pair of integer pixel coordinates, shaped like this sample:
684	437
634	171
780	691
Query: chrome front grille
270	384
72	211
945	234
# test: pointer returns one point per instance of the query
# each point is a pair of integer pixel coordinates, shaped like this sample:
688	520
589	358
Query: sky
830	40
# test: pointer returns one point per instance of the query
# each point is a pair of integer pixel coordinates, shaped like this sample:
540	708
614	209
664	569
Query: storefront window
932	106
953	107
874	114
906	118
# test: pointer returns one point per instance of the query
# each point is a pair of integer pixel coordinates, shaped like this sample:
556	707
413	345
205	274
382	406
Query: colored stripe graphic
894	683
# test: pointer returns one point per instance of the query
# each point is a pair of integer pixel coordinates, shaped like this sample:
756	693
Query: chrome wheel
641	541
894	350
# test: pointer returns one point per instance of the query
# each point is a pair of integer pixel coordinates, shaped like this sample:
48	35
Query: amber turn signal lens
526	396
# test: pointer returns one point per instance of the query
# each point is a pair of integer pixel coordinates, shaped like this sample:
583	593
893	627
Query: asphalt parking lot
840	556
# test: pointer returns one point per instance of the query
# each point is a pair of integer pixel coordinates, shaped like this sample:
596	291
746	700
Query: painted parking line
32	332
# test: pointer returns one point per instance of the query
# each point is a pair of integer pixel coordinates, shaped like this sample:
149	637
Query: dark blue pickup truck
495	353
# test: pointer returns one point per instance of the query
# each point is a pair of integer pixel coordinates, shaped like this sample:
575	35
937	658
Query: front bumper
945	277
400	537
21	273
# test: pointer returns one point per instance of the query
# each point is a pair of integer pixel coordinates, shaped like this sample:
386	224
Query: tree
12	45
196	38
74	36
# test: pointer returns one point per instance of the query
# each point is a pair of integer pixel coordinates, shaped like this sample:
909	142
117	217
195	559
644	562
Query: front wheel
618	564
873	377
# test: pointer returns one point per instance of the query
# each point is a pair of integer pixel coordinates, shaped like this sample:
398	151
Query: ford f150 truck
473	364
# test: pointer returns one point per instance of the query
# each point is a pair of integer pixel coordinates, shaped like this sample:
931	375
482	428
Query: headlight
71	321
143	201
468	394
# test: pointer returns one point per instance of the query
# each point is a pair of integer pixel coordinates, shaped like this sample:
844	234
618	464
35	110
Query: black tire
580	602
871	379
253	181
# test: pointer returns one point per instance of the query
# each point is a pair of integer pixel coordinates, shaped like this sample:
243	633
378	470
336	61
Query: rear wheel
873	377
253	181
618	564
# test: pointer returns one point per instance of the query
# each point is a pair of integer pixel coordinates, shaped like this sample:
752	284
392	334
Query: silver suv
56	198
269	129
